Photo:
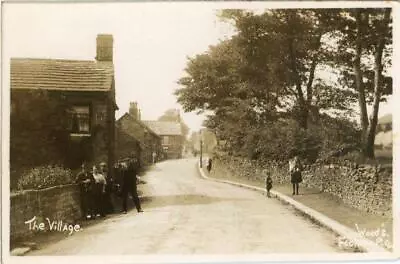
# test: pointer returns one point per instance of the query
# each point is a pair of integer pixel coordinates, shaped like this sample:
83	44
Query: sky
151	44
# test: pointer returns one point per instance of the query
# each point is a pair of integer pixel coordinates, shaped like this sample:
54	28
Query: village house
172	139
149	142
88	89
384	133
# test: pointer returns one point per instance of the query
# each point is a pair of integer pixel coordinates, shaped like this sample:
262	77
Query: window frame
72	112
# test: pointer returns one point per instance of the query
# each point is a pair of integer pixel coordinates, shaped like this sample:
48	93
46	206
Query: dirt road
185	214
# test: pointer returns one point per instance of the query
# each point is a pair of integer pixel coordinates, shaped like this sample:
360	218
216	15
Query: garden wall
365	187
59	203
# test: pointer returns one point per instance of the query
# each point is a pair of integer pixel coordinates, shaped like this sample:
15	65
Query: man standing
295	169
85	182
154	155
130	185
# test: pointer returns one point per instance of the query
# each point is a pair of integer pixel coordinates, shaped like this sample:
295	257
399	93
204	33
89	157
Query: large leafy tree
276	66
286	53
363	56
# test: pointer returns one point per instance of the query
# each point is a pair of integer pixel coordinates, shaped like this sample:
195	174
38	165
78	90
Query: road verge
355	239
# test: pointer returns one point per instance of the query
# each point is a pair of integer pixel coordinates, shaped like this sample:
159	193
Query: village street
185	214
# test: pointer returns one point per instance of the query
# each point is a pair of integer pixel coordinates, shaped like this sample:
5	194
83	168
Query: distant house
171	135
384	135
89	90
149	141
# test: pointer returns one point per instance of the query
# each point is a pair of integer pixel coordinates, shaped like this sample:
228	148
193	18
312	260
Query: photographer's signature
379	235
52	225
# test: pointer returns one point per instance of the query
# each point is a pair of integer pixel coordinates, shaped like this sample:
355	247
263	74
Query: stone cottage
87	87
384	135
171	135
149	142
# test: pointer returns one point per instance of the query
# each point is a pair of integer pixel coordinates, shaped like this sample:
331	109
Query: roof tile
55	74
165	128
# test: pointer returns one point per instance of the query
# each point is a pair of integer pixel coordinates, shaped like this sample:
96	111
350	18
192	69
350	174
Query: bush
44	177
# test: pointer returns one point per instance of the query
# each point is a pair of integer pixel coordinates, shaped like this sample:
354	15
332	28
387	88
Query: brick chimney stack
104	48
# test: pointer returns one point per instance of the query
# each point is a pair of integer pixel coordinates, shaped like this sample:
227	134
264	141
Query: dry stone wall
365	187
59	203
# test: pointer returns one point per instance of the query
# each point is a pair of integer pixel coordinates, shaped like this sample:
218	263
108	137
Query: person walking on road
268	184
295	169
130	184
209	165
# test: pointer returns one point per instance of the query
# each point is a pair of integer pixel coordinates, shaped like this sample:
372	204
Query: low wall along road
55	207
367	188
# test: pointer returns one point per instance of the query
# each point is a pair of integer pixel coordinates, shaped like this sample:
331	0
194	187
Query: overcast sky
151	44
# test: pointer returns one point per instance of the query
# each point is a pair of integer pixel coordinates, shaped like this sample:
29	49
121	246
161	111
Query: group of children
97	187
95	191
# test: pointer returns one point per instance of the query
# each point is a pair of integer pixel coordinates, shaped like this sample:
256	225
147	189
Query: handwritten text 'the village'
58	226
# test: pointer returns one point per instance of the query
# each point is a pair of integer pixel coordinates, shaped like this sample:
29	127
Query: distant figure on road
154	156
130	170
209	165
295	169
85	181
268	184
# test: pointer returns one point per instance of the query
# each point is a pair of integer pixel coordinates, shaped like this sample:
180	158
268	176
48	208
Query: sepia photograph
209	131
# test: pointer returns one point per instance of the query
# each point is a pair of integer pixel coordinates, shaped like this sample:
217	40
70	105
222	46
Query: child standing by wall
268	184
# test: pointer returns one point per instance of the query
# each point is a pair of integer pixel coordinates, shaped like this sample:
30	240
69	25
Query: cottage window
79	121
165	140
101	114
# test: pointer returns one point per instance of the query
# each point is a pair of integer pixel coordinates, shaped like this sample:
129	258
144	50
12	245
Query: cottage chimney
133	110
104	49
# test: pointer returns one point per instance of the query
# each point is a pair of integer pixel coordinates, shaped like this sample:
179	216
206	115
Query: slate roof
65	75
165	128
141	123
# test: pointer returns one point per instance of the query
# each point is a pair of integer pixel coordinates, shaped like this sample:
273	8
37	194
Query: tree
274	68
364	53
383	33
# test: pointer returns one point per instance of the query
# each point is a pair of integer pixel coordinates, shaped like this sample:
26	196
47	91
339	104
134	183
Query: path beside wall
365	187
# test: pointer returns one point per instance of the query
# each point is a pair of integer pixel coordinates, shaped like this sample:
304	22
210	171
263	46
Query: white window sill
79	134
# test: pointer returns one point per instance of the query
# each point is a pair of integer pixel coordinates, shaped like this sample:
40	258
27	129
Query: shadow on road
183	199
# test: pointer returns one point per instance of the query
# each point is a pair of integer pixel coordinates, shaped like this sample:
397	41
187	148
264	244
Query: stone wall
59	203
365	187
